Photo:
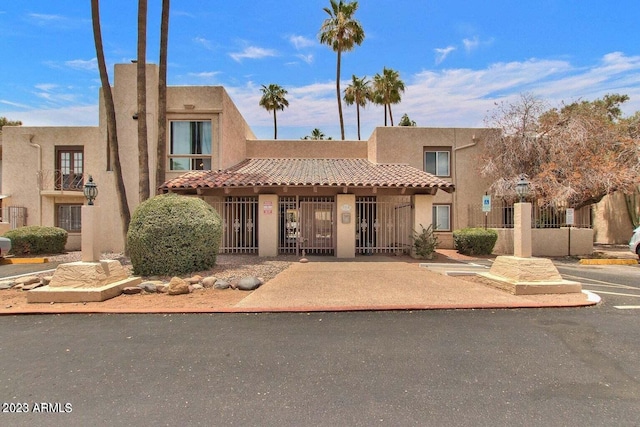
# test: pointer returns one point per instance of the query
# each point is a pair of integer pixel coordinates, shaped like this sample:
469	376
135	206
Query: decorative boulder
148	287
221	284
248	283
131	290
177	286
209	282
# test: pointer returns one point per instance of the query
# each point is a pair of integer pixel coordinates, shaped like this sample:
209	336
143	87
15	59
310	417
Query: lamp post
522	220
90	191
90	251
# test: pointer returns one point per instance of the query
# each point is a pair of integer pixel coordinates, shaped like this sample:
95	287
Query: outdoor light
90	190
523	187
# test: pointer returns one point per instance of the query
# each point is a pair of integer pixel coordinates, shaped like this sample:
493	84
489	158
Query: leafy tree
406	121
387	90
273	99
316	135
573	155
143	148
162	95
6	122
341	32
358	92
112	133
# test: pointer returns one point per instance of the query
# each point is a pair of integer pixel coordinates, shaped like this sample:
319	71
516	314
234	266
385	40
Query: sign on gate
570	216
267	208
486	204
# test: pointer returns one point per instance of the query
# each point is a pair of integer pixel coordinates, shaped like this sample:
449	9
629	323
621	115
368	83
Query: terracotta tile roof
310	172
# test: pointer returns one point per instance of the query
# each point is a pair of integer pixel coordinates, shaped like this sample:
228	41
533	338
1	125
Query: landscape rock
148	287
27	280
194	279
162	288
6	284
304	260
221	284
209	282
46	280
132	290
31	286
248	283
178	286
197	287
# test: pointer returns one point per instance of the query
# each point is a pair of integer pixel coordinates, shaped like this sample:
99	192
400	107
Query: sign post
570	221
486	208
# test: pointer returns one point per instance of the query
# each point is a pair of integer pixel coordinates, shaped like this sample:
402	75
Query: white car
5	246
634	243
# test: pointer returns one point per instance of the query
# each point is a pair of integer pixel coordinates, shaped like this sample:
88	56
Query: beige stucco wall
306	149
345	226
549	242
611	222
268	225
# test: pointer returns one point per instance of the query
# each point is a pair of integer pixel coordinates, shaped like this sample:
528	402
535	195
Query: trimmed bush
172	235
424	243
475	241
35	240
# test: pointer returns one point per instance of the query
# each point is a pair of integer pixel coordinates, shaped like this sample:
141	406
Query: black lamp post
90	190
523	187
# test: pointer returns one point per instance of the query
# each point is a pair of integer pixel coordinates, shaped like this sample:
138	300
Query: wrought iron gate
384	226
239	225
307	224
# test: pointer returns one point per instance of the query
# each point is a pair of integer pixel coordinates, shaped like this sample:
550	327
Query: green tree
162	96
273	99
316	135
341	32
387	90
6	122
358	92
406	121
143	147
112	133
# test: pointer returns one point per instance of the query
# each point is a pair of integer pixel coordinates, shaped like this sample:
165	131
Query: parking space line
627	307
614	293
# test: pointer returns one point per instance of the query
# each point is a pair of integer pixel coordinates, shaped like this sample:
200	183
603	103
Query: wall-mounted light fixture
189	106
135	116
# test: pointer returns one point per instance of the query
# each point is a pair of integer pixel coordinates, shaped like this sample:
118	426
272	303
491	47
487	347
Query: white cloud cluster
252	52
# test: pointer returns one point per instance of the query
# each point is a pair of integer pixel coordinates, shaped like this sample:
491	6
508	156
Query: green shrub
35	240
475	241
172	235
424	243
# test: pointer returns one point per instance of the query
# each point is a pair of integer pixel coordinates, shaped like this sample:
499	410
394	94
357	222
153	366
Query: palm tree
273	99
110	110
341	32
316	135
162	96
143	149
387	89
358	92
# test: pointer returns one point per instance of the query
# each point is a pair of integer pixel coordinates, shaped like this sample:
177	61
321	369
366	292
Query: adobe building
338	198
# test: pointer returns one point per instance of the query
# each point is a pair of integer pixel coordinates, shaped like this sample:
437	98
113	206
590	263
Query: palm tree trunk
358	117
143	149
390	115
161	161
338	94
112	133
385	114
275	125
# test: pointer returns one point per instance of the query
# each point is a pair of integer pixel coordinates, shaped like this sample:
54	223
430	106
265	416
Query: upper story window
437	162
69	168
190	145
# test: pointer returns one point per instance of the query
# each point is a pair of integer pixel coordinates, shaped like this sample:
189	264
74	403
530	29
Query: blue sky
457	58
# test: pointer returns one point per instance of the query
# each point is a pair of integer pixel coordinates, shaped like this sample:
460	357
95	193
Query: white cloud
300	42
306	58
81	64
442	53
253	52
471	44
204	42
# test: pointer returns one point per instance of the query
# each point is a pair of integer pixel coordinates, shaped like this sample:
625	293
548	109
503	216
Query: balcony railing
49	180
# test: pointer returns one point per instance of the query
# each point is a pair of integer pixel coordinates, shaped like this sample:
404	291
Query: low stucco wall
550	242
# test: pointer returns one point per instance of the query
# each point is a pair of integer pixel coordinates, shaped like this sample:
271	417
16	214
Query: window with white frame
437	162
190	145
69	217
441	217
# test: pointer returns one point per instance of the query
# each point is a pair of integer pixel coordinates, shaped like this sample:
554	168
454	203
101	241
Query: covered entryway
383	224
307	224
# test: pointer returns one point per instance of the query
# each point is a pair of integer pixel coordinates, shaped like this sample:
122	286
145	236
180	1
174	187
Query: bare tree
112	133
573	155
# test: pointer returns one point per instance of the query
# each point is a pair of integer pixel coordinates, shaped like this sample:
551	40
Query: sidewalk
328	284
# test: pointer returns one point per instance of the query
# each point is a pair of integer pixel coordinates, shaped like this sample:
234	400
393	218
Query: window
69	168
437	163
441	217
190	145
69	217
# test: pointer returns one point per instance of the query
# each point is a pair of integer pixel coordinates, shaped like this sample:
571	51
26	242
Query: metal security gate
14	215
383	225
307	225
239	225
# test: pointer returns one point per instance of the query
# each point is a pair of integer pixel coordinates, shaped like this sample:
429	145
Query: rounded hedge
475	241
171	235
35	240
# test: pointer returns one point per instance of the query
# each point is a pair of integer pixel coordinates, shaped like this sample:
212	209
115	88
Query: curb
608	261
